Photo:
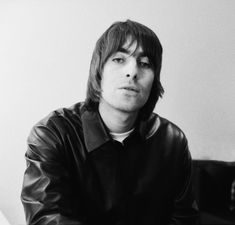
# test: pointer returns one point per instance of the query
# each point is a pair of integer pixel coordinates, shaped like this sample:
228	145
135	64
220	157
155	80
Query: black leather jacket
76	174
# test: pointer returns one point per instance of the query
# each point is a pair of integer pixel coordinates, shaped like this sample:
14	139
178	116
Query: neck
117	121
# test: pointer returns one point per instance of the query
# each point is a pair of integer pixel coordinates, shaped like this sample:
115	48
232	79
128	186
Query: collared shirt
77	174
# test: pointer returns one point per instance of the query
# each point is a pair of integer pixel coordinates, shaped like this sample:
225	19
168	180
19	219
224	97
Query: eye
144	64
118	60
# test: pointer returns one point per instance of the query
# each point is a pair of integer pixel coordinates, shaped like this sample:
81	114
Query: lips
130	88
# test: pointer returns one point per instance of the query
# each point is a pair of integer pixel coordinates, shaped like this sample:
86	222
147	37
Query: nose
131	70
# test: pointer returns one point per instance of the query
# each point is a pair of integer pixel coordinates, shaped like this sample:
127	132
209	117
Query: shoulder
171	128
59	117
50	131
156	124
168	139
160	126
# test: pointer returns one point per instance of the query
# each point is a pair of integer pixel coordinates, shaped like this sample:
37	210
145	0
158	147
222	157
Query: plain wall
45	51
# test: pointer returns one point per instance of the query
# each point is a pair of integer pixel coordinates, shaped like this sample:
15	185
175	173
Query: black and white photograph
117	112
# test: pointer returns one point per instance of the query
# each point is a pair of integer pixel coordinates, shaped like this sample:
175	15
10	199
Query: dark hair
109	43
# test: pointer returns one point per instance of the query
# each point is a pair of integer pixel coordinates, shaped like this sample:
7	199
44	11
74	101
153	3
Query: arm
185	207
46	193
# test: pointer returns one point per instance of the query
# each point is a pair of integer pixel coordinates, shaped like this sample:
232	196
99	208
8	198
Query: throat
117	121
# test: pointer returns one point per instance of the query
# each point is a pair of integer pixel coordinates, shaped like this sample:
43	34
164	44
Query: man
111	160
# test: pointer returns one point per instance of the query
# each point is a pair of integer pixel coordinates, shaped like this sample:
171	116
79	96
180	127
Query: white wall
45	51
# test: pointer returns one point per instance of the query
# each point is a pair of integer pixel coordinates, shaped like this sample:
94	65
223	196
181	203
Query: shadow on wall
3	220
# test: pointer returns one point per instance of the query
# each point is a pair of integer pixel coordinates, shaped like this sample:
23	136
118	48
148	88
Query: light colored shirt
121	136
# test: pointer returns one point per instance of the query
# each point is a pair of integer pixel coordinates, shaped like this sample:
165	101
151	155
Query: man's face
126	79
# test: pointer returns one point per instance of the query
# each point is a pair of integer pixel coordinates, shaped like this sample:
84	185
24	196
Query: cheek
104	79
108	84
109	80
149	83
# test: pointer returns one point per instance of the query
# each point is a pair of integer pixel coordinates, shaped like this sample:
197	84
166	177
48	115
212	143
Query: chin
128	107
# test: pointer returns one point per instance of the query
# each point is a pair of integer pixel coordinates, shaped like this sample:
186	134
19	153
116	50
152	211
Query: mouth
129	88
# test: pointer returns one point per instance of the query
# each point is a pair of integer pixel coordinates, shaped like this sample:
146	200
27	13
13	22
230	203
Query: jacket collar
96	133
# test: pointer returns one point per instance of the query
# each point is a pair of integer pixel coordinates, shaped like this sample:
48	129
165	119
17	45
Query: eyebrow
127	51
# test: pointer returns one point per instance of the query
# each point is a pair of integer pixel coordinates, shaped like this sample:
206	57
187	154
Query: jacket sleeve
46	194
185	207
